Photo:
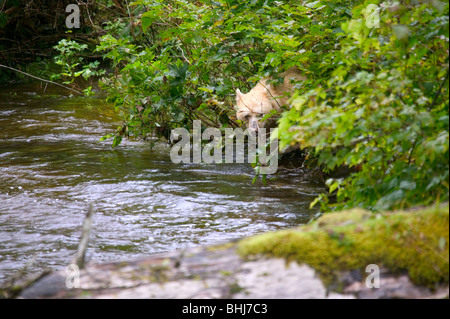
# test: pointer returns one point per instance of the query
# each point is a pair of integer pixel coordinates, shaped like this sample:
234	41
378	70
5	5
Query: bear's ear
238	94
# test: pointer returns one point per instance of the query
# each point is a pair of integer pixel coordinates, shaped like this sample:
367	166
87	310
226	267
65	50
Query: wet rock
395	287
273	278
214	273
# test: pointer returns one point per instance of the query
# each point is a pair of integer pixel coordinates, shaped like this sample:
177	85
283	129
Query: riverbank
326	259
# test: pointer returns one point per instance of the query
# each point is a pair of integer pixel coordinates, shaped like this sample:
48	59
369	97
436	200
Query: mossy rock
416	242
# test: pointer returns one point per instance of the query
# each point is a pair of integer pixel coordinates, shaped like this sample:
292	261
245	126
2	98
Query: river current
52	166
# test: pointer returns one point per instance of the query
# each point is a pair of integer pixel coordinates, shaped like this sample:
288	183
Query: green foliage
72	64
383	108
375	99
191	56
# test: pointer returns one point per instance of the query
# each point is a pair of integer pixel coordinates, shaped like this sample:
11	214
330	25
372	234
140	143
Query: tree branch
40	79
438	92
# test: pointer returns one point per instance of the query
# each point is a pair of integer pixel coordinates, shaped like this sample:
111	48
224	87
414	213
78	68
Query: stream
52	166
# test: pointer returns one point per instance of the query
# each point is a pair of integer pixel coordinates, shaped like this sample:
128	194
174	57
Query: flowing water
52	166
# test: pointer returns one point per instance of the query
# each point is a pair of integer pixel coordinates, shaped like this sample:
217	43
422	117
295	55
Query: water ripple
52	167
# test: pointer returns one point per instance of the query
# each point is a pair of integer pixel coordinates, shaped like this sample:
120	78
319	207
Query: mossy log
414	242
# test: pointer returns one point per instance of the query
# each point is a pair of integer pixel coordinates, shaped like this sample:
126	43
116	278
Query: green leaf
401	31
407	185
314	202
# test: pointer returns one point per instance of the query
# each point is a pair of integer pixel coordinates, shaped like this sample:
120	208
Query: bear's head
252	107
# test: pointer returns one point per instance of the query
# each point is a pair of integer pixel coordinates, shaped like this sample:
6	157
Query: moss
225	273
235	288
221	246
416	242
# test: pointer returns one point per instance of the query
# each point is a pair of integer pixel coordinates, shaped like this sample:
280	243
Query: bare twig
438	91
82	246
40	79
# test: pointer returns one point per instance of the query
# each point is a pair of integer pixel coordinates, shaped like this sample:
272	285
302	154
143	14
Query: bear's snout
253	125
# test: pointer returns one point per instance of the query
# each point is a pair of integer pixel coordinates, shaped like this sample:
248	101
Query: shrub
375	98
383	110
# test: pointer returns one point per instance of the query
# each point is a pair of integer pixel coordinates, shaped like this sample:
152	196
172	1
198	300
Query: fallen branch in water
40	79
82	246
19	281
